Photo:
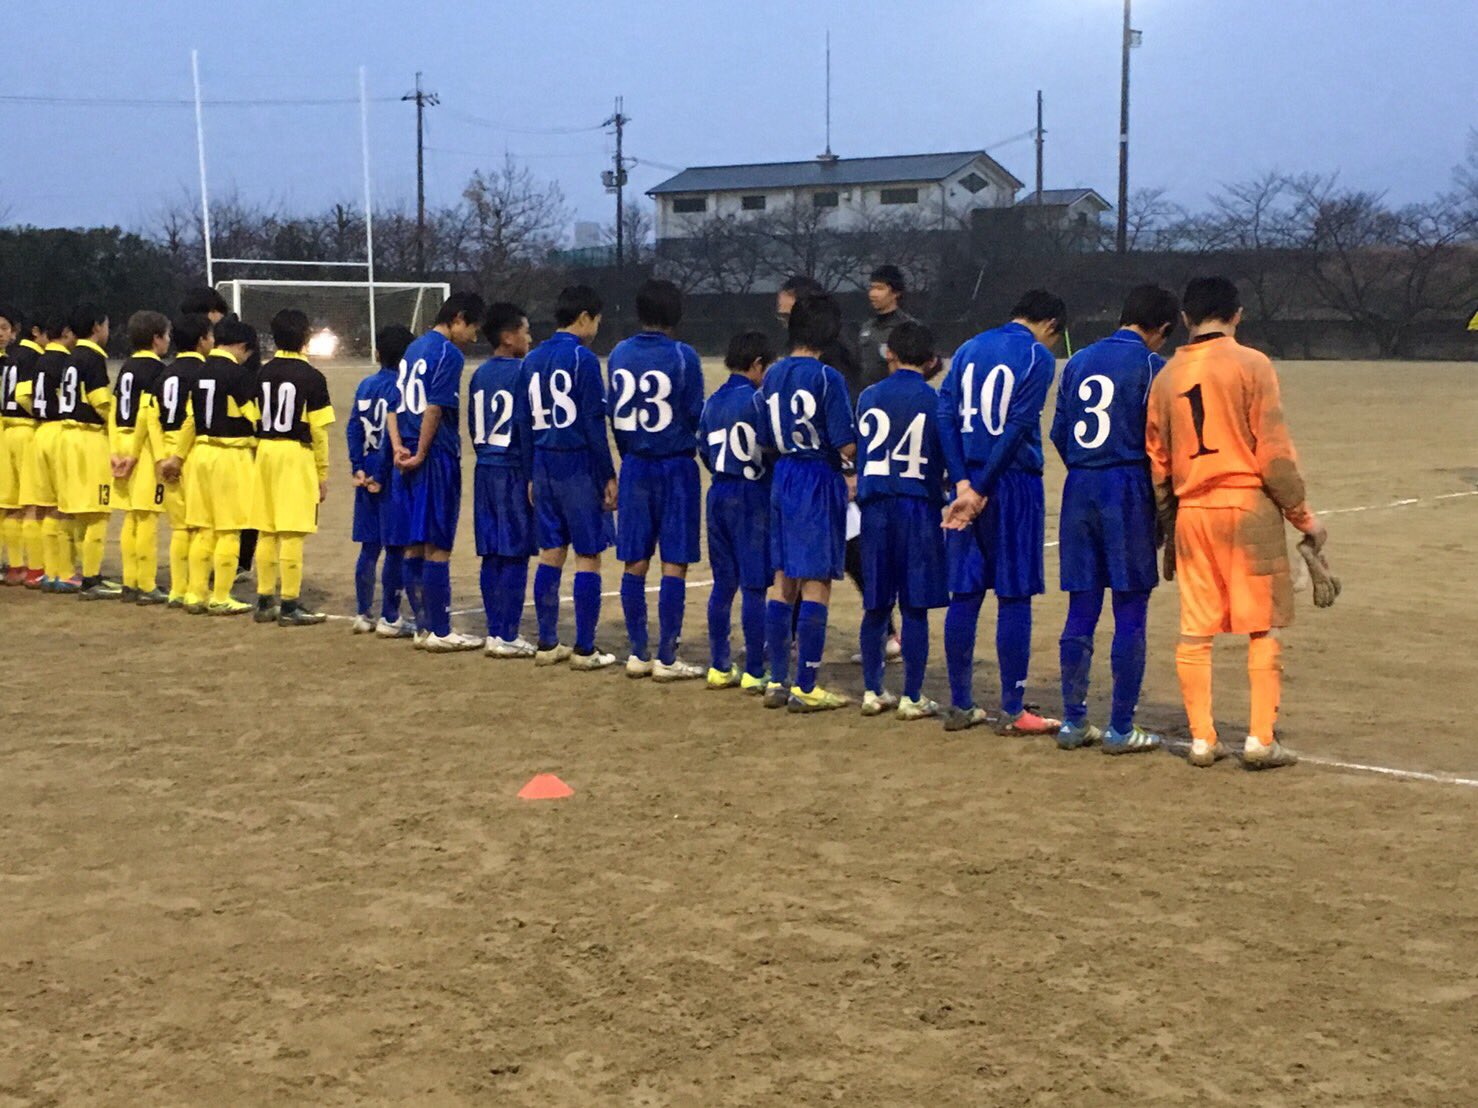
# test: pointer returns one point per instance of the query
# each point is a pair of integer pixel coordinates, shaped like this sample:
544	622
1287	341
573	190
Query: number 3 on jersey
1098	411
803	435
655	412
412	385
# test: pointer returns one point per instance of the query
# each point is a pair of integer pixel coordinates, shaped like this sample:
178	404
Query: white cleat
1257	754
556	655
922	708
362	625
454	643
875	704
893	650
1205	753
517	648
592	661
678	670
396	629
637	668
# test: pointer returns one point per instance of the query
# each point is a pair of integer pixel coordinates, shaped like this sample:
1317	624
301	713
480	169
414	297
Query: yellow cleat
228	607
754	686
724	678
817	700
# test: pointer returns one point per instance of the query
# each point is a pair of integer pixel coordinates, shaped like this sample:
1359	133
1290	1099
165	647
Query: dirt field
242	864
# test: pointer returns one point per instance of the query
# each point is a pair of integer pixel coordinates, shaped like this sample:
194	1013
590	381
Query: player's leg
547	578
591	533
810	643
1265	672
93	528
678	523
366	569
224	560
268	556
32	531
586	598
146	531
488	570
779	613
512	540
202	557
816	553
1128	527
444	506
1200	535
1081	575
915	642
392	588
1075	657
15	547
180	541
723	563
634	612
1131	618
293	612
637	499
128	548
1261	600
870	554
1016	517
511	586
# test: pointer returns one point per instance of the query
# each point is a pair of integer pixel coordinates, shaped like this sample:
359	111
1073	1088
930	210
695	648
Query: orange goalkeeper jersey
1215	430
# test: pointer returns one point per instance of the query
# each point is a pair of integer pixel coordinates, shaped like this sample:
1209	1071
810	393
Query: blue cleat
1074	736
1133	741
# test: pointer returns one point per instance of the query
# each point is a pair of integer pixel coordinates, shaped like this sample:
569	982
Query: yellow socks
93	528
179	562
291	556
1265	672
15	552
128	544
35	546
202	552
146	550
61	555
227	554
1193	667
267	564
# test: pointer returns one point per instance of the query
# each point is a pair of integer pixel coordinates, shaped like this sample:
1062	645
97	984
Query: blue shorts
568	503
739	532
1108	530
502	517
426	502
808	520
903	554
1001	551
372	516
658	502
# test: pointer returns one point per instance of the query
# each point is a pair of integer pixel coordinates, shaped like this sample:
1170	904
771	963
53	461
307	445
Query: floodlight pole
200	151
369	218
1122	238
1041	134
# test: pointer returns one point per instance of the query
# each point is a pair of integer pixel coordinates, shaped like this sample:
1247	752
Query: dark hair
468	305
84	318
659	303
202	301
746	347
1041	306
391	343
144	328
12	316
231	331
54	322
912	344
800	285
190	328
1211	298
290	330
575	301
502	316
1150	307
815	321
891	276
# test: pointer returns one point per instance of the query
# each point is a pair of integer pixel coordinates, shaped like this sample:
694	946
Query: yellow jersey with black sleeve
85	402
292	450
141	489
18	384
46	470
163	414
12	447
216	440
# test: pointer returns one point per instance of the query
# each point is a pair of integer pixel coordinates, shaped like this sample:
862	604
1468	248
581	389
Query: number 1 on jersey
1198	420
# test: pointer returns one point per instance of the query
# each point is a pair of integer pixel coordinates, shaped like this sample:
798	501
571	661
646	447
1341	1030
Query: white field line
1180	746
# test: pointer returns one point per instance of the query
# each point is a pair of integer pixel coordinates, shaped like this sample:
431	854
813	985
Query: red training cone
545	786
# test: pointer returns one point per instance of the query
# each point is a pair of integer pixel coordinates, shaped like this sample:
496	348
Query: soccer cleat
676	670
1075	735
1134	741
1205	753
1257	754
776	695
420	637
129	594
875	704
362	625
228	607
16	575
244	575
34	579
754	686
397	629
962	719
893	649
71	584
1029	723
589	663
510	648
298	616
102	590
637	668
266	610
452	643
152	598
922	708
194	606
552	655
724	678
817	700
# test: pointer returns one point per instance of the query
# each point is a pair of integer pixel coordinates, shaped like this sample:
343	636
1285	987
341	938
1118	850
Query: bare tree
1152	219
510	222
798	238
637	234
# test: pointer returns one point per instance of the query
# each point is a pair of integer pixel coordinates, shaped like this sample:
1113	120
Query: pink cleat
1029	723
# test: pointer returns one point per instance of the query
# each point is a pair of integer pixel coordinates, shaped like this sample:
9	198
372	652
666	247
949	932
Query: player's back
1102	402
294	399
899	452
19	380
135	377
50	366
998	377
222	399
730	430
430	373
656	396
171	388
566	395
497	412
807	412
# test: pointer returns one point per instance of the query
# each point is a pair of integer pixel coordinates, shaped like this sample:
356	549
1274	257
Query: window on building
973	182
690	205
752	203
825	199
900	196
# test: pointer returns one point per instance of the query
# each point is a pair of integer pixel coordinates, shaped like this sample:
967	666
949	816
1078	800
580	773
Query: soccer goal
338	311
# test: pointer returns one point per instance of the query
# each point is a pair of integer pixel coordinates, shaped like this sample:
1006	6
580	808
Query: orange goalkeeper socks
1265	673
1193	667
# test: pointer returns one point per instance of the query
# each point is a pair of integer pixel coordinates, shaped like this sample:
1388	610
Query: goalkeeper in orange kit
1226	477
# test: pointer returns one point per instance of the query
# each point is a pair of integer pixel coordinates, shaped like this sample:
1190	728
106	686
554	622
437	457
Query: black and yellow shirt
222	406
50	367
132	386
169	391
85	397
295	405
19	382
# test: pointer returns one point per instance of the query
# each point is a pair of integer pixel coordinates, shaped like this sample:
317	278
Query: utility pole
1040	135
423	101
1131	40
615	181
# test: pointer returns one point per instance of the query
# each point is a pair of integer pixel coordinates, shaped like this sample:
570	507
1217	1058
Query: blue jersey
498	414
990	406
656	396
899	454
430	373
730	431
369	445
805	412
1102	402
567	401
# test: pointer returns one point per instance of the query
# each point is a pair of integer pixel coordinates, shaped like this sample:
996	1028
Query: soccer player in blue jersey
574	480
1108	514
656	399
990	411
738	514
426	486
371	463
806	418
503	516
900	488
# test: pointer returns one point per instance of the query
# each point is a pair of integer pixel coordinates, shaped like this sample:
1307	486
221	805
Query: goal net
338	311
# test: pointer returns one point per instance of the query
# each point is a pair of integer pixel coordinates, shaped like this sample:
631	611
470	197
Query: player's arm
1277	461
1060	417
523	422
320	419
25	393
592	416
354	440
1157	448
178	444
430	422
951	442
694	393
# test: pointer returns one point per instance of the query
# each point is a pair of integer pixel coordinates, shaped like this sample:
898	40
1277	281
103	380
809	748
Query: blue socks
1131	614
364	577
1013	649
513	582
487	580
634	607
392	580
872	640
546	604
778	639
436	596
415	568
915	650
672	598
720	604
959	646
587	610
810	639
752	616
1075	653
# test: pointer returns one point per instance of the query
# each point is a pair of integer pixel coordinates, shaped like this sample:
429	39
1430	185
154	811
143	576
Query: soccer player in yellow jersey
12	448
58	548
213	448
87	447
161	416
291	471
139	438
20	444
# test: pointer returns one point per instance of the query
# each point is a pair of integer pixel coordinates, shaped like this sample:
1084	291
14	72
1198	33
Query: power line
139	102
476	121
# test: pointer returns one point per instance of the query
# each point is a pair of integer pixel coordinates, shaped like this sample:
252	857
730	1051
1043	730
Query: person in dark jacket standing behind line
885	289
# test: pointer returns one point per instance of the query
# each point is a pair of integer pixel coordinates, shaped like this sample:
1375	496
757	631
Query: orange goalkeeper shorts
1231	562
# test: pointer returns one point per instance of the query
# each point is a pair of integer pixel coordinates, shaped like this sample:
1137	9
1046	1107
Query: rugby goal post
343	315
